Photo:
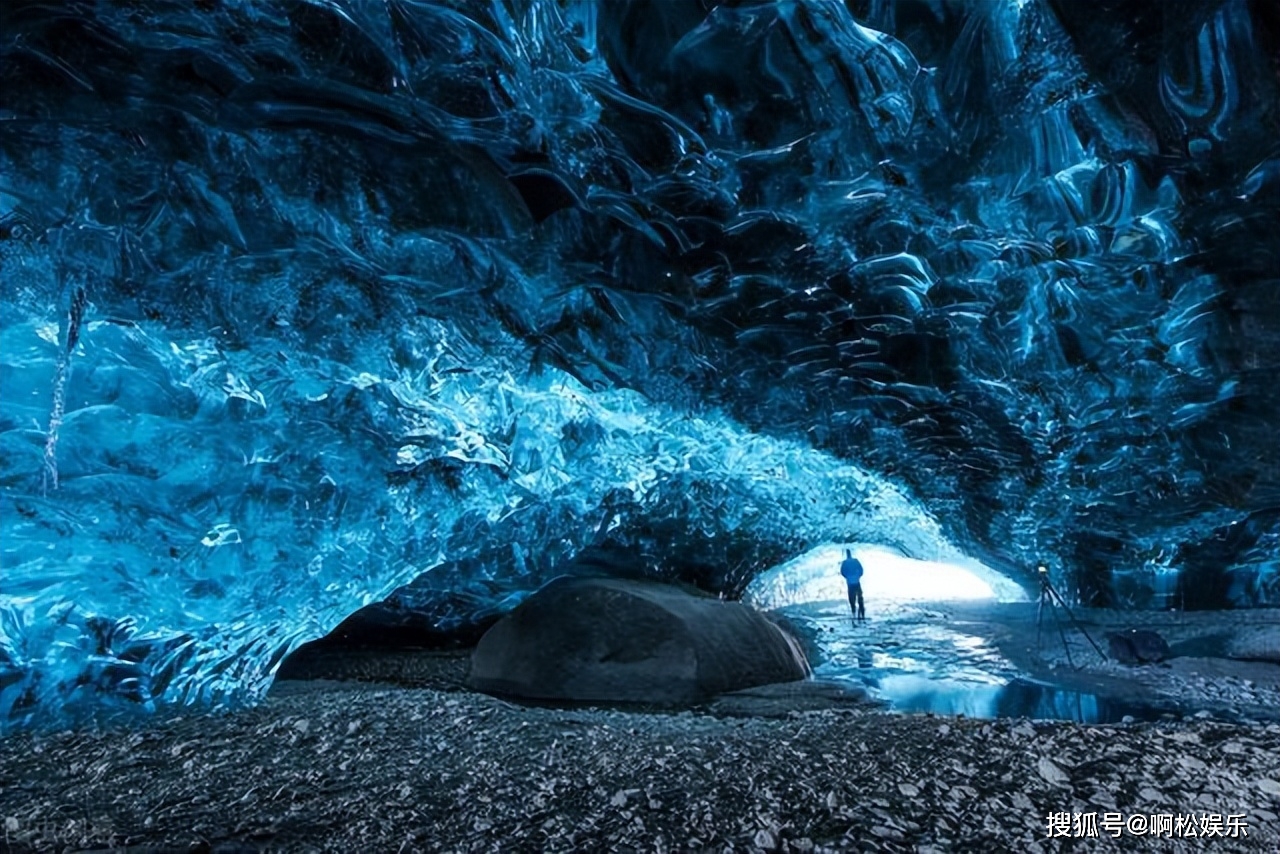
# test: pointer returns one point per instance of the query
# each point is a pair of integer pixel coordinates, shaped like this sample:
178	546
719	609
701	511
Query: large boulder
616	640
1137	646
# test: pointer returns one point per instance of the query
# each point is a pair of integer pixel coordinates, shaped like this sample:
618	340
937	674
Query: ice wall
301	300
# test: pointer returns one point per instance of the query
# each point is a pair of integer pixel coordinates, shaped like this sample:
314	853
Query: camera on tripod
1049	596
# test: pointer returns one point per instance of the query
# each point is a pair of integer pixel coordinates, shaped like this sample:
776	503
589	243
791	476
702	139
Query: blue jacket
851	569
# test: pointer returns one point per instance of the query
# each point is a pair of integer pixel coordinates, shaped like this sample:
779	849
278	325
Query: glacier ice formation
303	301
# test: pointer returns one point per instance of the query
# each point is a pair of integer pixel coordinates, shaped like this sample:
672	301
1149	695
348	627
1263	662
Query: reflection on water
901	645
916	661
1020	698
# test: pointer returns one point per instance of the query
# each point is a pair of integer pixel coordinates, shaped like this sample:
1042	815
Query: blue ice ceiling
303	301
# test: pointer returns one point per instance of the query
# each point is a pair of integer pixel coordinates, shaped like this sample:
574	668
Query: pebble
766	839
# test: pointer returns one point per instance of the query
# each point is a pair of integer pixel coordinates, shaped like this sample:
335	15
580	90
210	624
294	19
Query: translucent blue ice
300	303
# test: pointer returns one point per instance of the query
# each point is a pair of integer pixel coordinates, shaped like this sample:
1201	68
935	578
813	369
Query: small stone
909	790
1271	787
1051	772
766	839
1127	719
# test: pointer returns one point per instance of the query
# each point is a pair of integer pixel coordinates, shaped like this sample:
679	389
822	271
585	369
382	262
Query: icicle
49	478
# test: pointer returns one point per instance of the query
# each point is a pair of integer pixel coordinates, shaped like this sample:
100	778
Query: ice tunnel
306	303
891	579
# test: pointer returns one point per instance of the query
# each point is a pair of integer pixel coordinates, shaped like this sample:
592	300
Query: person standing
851	569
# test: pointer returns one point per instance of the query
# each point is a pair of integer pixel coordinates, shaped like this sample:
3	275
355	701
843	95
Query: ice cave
439	424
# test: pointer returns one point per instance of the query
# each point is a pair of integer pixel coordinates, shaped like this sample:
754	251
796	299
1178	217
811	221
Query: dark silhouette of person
851	569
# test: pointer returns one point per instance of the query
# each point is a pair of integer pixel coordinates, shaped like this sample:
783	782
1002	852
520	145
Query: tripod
1049	596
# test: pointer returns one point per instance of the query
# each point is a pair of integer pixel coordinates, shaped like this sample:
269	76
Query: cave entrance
890	582
930	642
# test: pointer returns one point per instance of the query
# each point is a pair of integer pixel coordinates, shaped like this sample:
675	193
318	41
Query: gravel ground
324	766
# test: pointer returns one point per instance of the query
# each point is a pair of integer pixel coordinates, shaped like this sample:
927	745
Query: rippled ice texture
302	301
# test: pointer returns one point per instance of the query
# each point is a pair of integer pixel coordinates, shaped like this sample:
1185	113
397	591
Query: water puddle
916	661
1015	699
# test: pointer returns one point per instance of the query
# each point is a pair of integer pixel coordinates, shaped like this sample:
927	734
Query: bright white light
888	578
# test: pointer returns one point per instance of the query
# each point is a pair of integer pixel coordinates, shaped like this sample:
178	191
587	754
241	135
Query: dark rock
781	699
1138	646
616	640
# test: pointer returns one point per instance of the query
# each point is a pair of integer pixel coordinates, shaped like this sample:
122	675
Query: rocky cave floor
393	755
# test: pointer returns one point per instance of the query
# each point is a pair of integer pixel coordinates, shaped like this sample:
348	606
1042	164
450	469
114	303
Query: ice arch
891	578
